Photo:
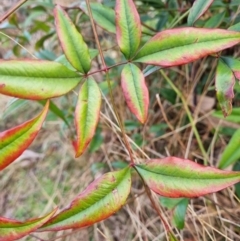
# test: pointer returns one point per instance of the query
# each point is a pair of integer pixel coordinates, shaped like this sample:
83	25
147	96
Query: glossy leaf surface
233	64
135	91
71	41
36	80
87	114
175	177
198	9
224	83
101	199
128	26
102	15
184	45
13	230
232	151
16	140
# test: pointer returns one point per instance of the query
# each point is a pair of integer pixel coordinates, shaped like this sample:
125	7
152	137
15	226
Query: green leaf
150	69
232	151
184	45
13	230
128	27
235	27
180	213
198	9
63	60
175	177
71	41
100	200
102	15
40	43
36	80
135	91
170	203
236	167
172	237
224	83
233	64
179	206
215	21
87	114
56	111
16	140
233	117
96	142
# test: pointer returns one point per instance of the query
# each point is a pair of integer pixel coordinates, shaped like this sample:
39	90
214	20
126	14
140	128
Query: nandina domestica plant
42	80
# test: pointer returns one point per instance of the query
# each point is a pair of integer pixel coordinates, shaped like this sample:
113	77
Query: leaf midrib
167	175
106	195
73	43
128	20
138	95
180	46
23	133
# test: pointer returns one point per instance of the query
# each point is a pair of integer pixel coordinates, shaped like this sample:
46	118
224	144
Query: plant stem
105	68
12	10
179	19
192	122
154	205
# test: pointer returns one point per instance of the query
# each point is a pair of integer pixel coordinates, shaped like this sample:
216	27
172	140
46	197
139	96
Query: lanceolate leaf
184	45
36	80
72	42
101	199
179	206
198	9
233	64
128	27
232	151
87	114
135	91
102	15
179	213
14	141
13	230
224	83
175	177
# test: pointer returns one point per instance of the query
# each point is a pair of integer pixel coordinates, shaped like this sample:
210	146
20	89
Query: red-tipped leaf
101	199
14	141
13	230
87	114
184	45
128	27
71	41
135	91
36	79
175	177
224	83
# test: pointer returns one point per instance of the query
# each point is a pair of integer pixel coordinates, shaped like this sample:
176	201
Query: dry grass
48	175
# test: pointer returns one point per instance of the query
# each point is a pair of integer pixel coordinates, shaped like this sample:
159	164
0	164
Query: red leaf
101	199
14	141
184	45
12	229
175	177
